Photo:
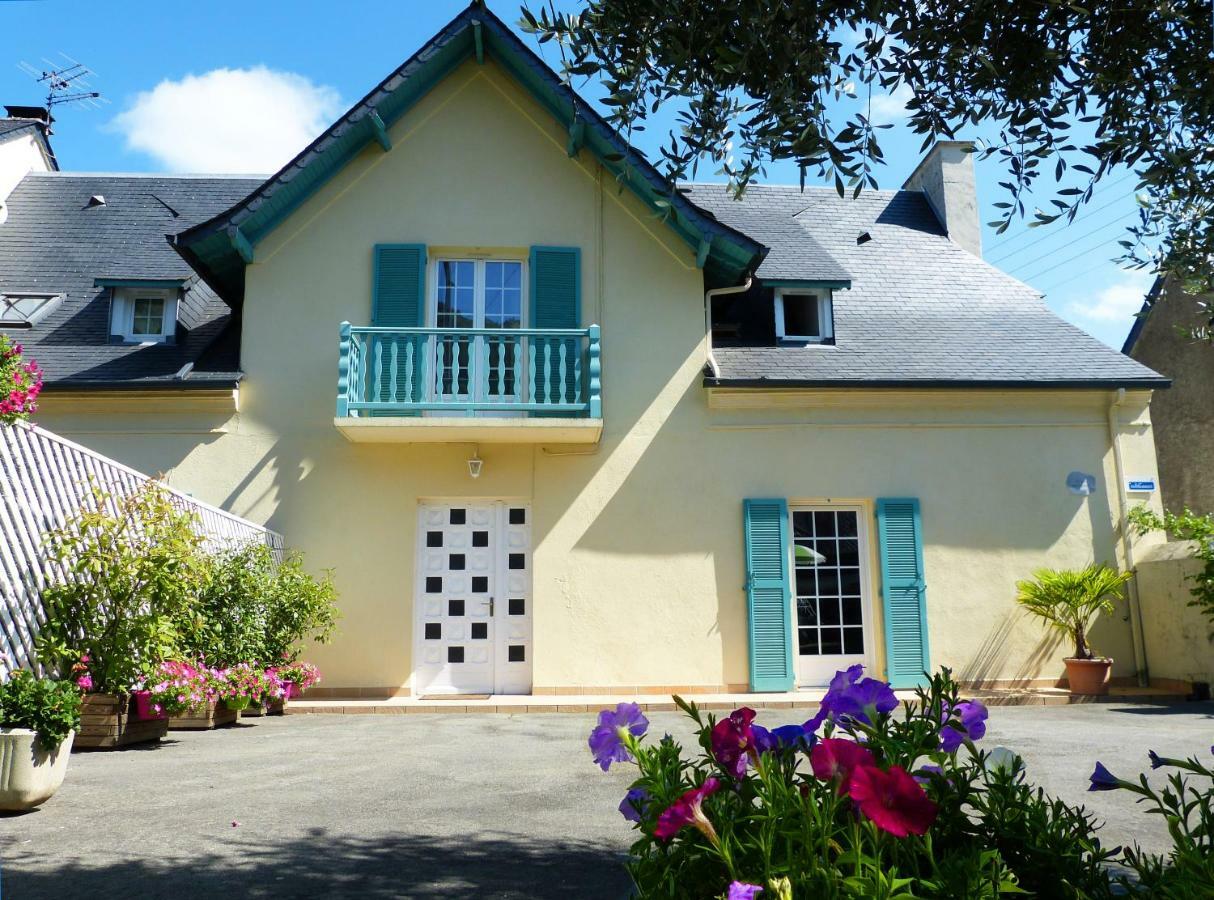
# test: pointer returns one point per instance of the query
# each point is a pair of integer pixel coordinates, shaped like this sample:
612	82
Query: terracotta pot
1088	676
29	773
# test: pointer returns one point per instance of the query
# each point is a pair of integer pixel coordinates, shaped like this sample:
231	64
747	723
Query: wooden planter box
107	721
213	714
273	707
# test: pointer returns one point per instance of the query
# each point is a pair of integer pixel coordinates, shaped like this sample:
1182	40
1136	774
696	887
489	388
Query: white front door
473	600
831	591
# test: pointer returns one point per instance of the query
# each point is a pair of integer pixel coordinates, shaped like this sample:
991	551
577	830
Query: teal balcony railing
469	371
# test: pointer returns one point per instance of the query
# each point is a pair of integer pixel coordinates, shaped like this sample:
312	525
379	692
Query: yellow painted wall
1178	640
638	541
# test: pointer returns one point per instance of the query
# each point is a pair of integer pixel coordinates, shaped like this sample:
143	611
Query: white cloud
1117	302
228	120
888	108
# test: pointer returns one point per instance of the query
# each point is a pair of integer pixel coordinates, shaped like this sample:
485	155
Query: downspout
1127	544
709	296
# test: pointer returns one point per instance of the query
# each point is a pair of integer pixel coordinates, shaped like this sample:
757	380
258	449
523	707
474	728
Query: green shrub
44	705
1067	600
133	567
1188	526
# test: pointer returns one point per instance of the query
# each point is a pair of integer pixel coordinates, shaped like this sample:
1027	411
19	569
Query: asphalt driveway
441	806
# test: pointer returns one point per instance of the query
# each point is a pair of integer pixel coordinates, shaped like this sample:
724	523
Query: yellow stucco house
558	429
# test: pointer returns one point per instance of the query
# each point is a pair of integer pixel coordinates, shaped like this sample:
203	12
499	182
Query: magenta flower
607	740
733	740
739	890
893	800
972	716
688	810
85	682
834	759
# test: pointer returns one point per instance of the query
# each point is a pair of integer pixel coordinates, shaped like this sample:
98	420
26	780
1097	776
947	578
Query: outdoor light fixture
1081	484
474	463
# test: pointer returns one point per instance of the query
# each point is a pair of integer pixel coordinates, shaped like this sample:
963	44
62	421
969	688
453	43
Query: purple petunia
784	737
972	716
739	890
1103	780
852	697
632	807
607	739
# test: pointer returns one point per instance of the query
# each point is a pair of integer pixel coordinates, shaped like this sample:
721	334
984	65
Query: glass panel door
455	307
830	570
503	310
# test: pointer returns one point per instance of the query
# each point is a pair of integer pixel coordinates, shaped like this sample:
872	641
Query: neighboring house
524	458
1184	415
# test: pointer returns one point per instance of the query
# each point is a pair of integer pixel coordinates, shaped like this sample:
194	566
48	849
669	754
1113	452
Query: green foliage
253	609
1066	94
993	833
1067	600
45	705
1188	526
133	565
1186	803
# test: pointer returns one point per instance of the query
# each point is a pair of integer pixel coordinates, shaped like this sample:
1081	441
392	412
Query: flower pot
1088	676
107	721
276	706
141	707
255	710
290	690
29	773
203	716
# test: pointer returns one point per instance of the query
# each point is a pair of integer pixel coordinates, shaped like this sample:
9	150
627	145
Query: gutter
902	383
709	296
184	384
1127	545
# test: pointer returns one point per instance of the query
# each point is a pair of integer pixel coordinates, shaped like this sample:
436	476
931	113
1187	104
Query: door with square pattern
832	610
473	606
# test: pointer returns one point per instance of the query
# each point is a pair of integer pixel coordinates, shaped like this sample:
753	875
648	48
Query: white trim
868	595
122	313
826	317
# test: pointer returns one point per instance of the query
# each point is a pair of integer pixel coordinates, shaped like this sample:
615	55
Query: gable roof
220	247
1140	318
921	311
54	242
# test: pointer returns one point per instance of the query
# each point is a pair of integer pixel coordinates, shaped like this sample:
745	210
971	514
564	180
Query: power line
1049	234
1063	262
1014	238
1045	255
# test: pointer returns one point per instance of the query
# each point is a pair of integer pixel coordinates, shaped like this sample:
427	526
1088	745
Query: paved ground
439	806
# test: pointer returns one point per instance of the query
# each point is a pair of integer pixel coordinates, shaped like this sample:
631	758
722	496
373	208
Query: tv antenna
66	82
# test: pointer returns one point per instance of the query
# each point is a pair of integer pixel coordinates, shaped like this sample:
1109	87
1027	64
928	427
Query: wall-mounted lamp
474	463
1081	484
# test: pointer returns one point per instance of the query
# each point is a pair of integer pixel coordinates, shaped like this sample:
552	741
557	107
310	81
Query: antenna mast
65	83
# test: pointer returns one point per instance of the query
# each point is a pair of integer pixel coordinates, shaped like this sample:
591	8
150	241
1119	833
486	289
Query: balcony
483	385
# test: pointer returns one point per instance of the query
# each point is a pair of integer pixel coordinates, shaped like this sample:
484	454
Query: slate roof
10	128
921	311
54	242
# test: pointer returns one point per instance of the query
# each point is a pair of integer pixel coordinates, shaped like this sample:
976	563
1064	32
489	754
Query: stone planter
108	721
212	714
30	774
1089	677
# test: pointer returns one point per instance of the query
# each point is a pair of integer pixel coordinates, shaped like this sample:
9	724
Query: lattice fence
44	480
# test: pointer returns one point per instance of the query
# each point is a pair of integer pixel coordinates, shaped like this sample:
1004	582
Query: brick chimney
946	178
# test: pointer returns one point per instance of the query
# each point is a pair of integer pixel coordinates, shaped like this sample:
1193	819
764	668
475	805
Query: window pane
456	293
853	640
503	294
148	316
832	641
801	315
808	641
829	609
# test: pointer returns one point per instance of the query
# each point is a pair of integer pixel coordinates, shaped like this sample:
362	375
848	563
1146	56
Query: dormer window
23	310
804	315
144	316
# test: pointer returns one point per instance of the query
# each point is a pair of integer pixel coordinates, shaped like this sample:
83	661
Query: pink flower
85	682
733	741
893	800
84	658
688	810
739	890
836	759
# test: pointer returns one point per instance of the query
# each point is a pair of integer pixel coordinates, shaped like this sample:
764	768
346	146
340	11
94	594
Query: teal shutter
398	300
556	302
903	592
768	597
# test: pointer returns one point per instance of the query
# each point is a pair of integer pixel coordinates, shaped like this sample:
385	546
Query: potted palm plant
39	718
1068	600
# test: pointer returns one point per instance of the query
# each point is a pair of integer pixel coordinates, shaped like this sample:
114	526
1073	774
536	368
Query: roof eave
1096	384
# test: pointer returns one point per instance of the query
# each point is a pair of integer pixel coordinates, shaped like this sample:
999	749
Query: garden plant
46	706
1187	526
870	798
20	382
1068	600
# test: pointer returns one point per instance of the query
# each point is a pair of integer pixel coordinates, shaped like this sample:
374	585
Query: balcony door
483	297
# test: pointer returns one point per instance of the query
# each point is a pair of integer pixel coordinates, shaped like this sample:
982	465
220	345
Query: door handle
491	607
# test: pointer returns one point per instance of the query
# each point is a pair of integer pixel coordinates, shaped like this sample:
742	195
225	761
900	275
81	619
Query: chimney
946	178
39	113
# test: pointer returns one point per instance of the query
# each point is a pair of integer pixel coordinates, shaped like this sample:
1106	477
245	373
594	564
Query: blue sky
240	87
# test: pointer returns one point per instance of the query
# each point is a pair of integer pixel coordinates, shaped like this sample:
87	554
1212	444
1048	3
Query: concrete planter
30	774
1089	677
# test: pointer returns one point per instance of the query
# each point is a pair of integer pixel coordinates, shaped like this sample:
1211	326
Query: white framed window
804	315
24	310
144	316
